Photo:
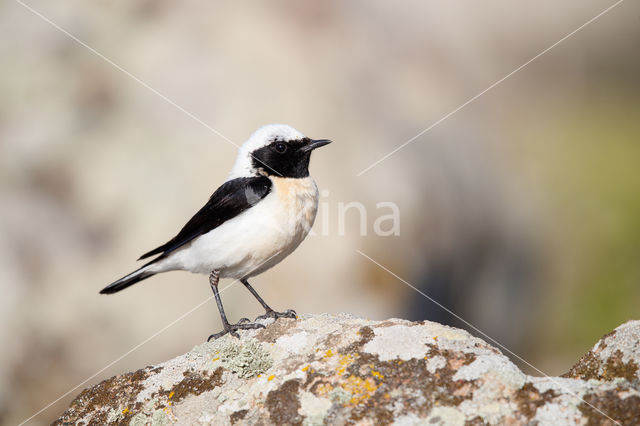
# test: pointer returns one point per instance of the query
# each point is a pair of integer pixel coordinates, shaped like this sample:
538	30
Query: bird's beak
315	143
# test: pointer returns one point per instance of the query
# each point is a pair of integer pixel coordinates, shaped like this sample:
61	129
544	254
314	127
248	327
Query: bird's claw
232	329
289	313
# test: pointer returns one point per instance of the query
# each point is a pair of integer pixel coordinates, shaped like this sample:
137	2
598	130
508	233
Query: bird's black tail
128	280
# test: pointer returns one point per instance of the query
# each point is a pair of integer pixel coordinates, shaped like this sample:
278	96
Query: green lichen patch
139	419
115	396
160	418
529	399
283	404
246	359
625	411
193	383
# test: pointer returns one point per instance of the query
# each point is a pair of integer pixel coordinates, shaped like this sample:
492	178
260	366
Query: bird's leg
270	313
243	324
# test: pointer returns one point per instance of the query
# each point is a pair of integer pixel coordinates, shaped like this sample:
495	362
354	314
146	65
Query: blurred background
521	212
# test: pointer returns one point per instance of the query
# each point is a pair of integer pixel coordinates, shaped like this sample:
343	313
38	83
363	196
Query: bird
256	218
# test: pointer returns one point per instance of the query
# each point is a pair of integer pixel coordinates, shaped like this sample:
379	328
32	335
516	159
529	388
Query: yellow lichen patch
377	374
271	377
323	389
125	411
305	368
328	354
344	362
171	394
215	359
360	389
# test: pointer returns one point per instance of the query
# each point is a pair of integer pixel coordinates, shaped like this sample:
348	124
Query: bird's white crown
265	135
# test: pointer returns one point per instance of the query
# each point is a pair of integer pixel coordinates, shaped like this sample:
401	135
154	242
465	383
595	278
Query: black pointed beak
315	143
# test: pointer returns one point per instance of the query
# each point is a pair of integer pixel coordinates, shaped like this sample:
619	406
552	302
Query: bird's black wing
228	201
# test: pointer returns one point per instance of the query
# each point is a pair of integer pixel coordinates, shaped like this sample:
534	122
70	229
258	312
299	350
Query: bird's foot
289	313
232	329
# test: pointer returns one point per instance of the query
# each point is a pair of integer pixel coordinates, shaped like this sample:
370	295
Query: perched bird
256	218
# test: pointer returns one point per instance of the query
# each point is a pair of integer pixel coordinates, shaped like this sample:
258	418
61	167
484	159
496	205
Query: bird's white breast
298	200
256	239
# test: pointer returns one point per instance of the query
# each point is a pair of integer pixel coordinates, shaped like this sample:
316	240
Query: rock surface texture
322	369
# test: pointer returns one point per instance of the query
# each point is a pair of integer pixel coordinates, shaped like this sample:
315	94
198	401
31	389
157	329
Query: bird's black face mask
286	158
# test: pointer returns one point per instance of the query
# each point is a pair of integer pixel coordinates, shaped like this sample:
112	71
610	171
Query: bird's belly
258	238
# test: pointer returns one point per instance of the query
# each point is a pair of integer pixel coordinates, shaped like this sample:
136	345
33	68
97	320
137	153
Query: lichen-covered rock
322	369
616	355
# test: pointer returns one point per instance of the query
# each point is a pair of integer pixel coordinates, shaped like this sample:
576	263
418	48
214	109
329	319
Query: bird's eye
280	147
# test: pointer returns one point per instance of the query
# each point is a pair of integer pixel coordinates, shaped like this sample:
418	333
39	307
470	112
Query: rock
616	355
322	369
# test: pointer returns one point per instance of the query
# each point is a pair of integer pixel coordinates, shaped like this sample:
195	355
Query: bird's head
276	150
